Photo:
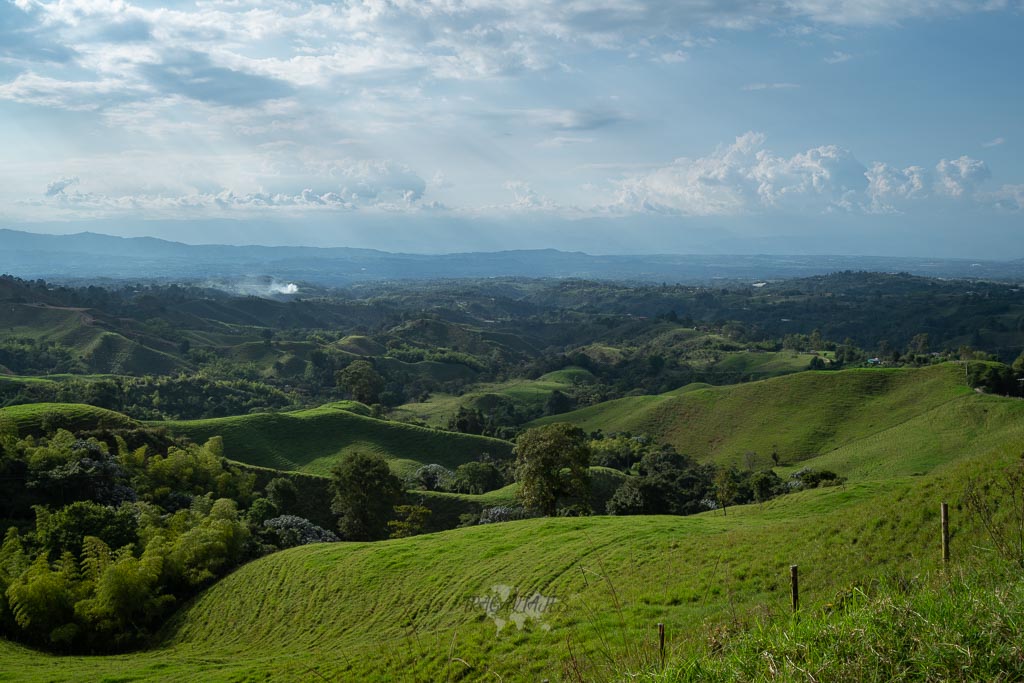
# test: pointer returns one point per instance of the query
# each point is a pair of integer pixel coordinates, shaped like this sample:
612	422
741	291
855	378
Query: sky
606	126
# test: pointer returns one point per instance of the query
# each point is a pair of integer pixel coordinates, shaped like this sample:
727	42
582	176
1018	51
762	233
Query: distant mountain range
94	256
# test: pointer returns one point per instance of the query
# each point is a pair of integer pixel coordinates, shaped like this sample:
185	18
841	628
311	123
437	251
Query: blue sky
606	126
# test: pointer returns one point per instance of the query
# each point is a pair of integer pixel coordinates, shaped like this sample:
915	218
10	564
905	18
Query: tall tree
365	494
551	462
361	380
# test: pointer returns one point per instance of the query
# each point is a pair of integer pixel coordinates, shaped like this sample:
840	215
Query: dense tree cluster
107	539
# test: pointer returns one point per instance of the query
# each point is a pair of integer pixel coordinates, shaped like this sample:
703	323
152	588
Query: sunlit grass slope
798	416
406	610
30	419
315	440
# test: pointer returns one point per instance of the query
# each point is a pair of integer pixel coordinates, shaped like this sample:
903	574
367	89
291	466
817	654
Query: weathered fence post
945	533
794	580
661	644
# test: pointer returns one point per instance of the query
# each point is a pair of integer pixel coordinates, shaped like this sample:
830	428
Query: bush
290	531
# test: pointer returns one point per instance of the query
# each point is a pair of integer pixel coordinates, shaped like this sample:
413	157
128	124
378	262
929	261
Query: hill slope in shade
315	440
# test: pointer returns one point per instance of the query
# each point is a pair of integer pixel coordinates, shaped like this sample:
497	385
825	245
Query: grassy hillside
798	416
101	350
527	395
409	609
33	418
314	440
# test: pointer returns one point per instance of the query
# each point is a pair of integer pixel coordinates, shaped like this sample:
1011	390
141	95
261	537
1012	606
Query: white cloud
525	198
960	177
1007	198
676	57
745	177
32	88
838	57
995	142
888	186
564	141
58	186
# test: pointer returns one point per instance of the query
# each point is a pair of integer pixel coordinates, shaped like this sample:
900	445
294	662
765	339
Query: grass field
30	419
799	416
314	440
414	609
409	610
528	395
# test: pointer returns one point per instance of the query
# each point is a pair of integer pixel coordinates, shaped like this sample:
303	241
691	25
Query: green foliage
477	477
362	381
726	487
195	470
66	529
551	463
283	493
365	493
411	520
667	483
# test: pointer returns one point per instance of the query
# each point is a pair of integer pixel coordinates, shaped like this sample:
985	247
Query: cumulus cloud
961	176
888	186
1007	198
379	180
745	177
58	186
525	198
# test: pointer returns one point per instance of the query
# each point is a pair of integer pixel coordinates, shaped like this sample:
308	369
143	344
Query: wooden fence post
945	533
661	644
794	580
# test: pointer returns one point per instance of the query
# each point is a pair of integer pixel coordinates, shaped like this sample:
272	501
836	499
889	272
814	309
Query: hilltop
798	417
312	441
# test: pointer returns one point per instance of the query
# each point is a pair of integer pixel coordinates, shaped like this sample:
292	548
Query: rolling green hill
32	419
415	609
527	395
799	416
314	440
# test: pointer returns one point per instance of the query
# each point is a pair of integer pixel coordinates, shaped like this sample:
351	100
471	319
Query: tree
361	380
726	487
551	462
477	477
467	421
919	344
557	403
365	494
668	483
412	519
283	494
